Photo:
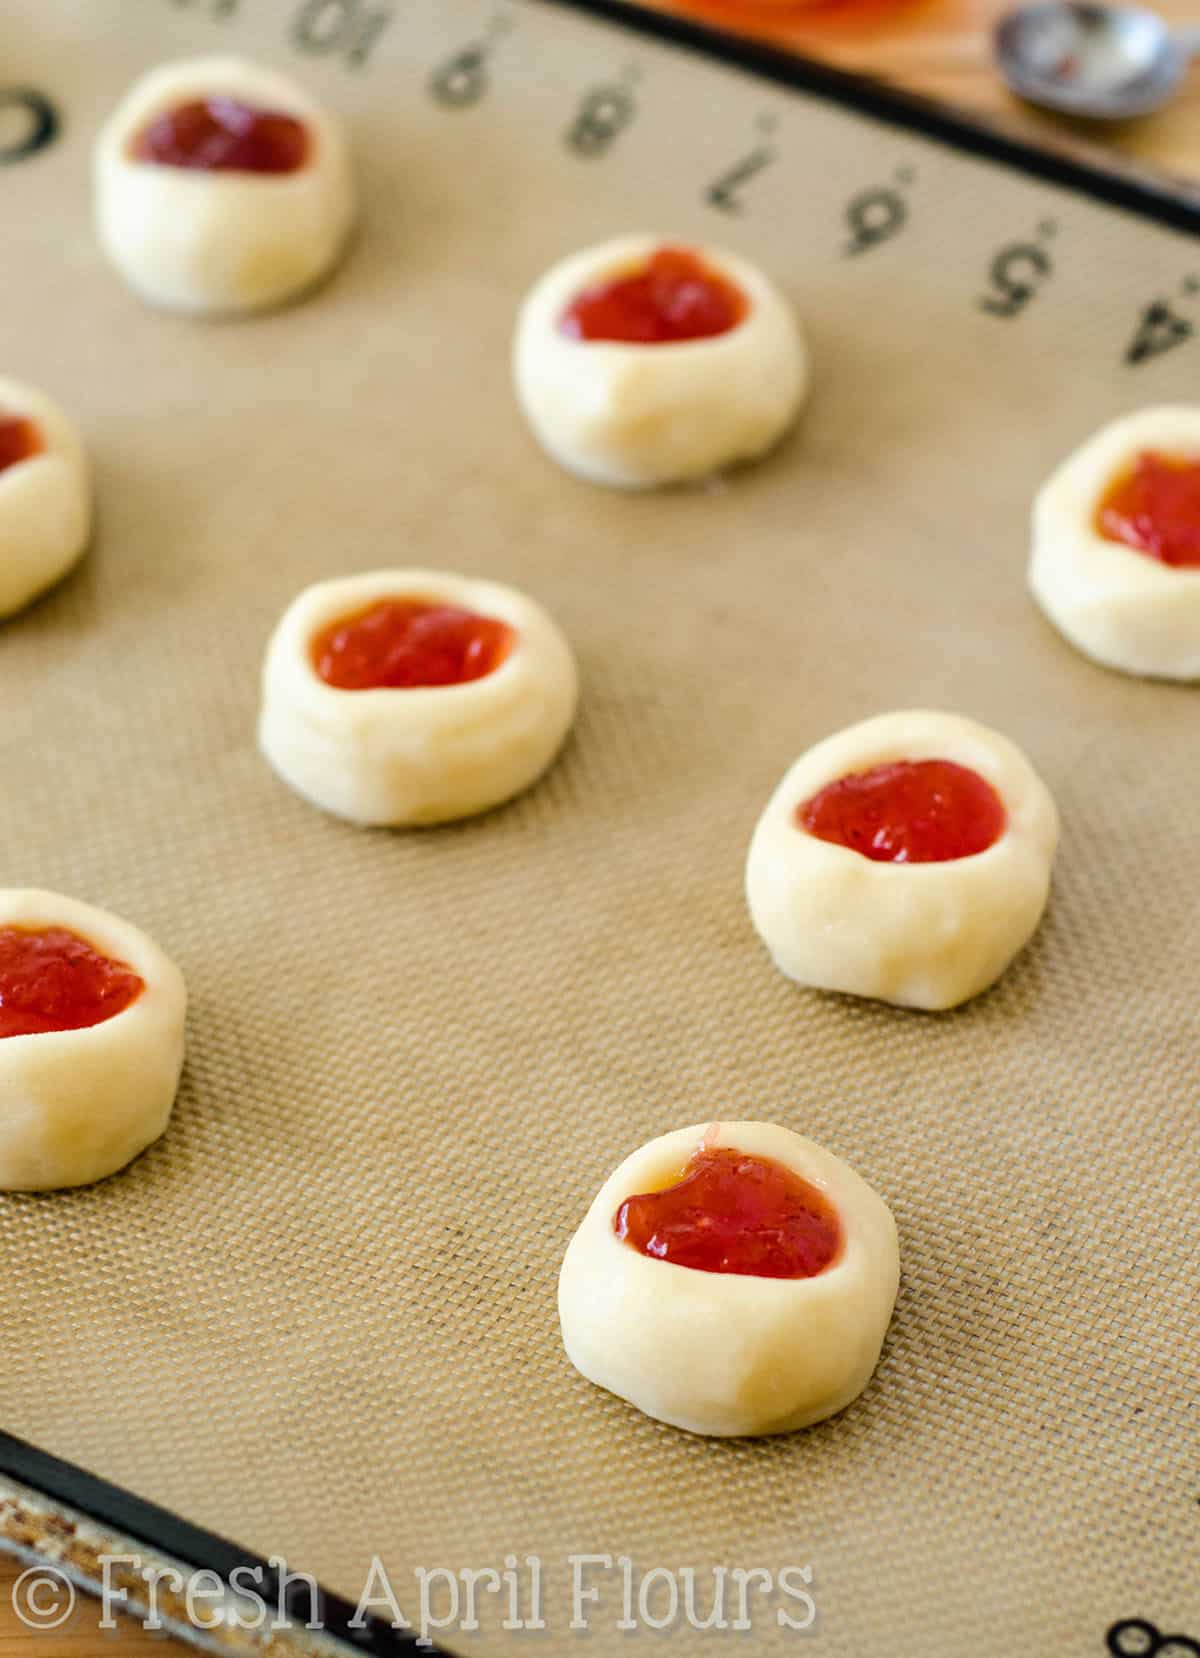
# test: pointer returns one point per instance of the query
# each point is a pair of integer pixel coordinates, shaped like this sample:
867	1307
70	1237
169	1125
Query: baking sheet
319	1315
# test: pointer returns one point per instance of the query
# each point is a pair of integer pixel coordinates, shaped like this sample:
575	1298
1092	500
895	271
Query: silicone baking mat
318	1317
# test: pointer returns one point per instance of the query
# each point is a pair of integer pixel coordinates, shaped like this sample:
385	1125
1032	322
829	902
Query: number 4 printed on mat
1161	327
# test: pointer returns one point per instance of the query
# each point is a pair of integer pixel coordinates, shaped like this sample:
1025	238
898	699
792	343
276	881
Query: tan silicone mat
319	1315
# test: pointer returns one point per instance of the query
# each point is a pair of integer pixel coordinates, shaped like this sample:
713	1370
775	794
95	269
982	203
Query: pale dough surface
78	1105
425	755
1117	605
729	1353
640	415
924	935
220	241
45	501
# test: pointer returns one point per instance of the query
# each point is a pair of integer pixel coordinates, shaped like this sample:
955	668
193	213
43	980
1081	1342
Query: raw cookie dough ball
45	495
221	187
640	363
1116	545
906	858
414	696
91	1041
731	1278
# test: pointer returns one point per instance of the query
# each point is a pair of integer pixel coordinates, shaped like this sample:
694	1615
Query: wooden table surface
79	1636
942	49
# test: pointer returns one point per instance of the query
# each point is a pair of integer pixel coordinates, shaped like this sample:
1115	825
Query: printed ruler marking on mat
726	192
1018	273
878	213
347	29
29	121
350	30
464	78
1162	325
1139	1638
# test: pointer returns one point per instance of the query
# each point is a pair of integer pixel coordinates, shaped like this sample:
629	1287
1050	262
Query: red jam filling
400	644
907	812
19	440
51	979
224	135
675	296
1155	508
731	1212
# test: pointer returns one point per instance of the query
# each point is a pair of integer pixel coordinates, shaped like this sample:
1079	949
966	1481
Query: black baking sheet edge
108	1505
904	109
160	1532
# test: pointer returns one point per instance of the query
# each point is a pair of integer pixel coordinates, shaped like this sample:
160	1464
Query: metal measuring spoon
1103	62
